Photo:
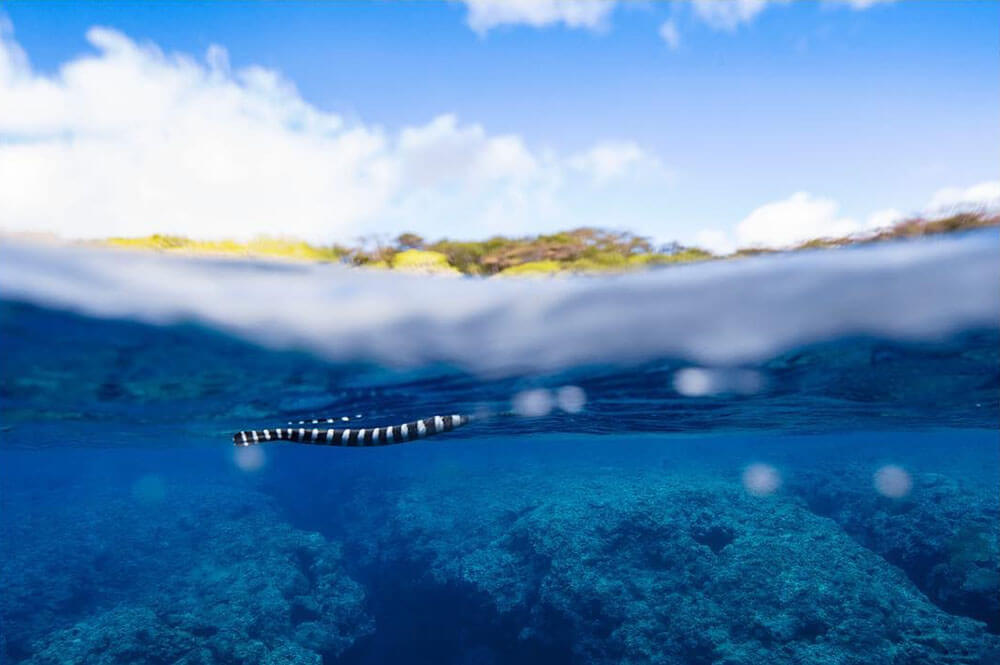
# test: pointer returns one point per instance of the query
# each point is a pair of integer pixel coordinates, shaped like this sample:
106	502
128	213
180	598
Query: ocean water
790	459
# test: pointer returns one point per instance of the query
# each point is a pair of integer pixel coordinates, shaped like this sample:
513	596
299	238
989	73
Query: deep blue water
782	461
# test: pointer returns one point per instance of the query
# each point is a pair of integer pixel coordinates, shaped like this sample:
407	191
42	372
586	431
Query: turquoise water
784	460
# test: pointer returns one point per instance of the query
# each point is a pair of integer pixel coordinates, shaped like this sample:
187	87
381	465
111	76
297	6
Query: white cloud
864	4
793	220
983	195
729	14
803	217
790	222
715	241
881	219
131	141
612	159
444	151
484	15
670	34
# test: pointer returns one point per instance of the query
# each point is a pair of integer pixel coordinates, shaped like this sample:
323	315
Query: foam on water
719	313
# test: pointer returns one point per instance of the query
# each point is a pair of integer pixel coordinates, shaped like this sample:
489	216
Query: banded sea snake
318	432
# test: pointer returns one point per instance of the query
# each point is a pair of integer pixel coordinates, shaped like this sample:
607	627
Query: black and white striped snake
319	433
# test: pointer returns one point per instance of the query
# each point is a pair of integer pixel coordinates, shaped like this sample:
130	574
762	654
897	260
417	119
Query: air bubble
149	489
249	459
761	479
532	403
893	481
702	381
571	399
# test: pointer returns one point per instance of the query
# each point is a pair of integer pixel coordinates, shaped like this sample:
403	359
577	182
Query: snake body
317	433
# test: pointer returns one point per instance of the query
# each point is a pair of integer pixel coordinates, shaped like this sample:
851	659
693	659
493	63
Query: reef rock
946	537
641	568
214	577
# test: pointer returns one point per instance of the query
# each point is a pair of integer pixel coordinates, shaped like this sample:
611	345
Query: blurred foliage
583	250
263	246
921	226
579	250
423	261
911	227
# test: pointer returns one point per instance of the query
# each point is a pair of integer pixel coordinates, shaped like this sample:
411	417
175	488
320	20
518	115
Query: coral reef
175	575
640	568
943	535
467	565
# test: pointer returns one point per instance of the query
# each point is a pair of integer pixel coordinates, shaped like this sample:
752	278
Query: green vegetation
422	261
259	247
921	226
534	268
584	250
580	251
912	227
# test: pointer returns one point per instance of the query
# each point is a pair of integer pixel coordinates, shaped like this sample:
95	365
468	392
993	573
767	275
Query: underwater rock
641	568
944	536
218	578
122	635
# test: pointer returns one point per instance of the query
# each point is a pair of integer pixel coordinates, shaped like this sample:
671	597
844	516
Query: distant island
580	251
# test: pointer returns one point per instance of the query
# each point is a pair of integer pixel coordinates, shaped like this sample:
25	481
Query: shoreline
583	251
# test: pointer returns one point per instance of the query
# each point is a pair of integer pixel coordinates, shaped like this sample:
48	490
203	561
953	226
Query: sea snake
319	434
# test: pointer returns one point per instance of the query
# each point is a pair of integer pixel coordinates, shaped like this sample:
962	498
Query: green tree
409	241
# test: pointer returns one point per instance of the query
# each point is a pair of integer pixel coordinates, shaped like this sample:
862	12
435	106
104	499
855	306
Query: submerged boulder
645	569
208	576
944	536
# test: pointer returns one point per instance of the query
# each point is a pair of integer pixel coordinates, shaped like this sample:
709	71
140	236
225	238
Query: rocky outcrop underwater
181	575
944	536
630	567
467	566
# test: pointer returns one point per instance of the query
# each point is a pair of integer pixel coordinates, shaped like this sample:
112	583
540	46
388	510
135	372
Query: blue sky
859	109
